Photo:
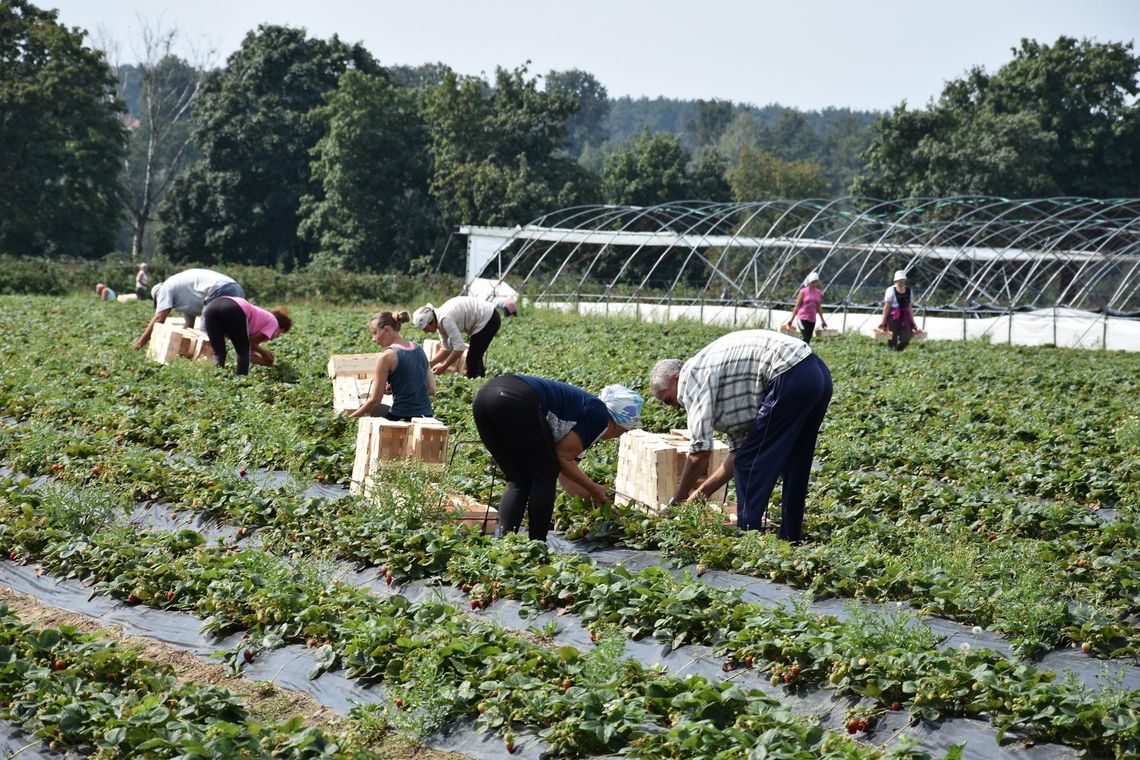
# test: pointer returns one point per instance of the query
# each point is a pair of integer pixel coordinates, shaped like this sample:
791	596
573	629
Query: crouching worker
247	326
767	393
537	430
403	367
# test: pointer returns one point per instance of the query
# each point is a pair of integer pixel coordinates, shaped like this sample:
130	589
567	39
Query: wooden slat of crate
360	366
431	345
650	466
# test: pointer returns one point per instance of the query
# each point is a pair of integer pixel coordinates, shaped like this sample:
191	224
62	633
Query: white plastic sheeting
1066	328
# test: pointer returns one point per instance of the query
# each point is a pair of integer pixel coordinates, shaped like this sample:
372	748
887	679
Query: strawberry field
970	585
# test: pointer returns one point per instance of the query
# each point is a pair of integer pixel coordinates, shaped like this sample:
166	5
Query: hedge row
26	276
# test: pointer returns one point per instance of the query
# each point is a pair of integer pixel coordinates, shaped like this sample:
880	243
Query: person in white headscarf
809	305
462	314
537	430
142	282
898	312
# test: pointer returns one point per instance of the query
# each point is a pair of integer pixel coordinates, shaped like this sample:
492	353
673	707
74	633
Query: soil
264	700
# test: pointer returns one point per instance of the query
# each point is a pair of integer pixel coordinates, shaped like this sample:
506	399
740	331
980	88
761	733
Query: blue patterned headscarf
623	404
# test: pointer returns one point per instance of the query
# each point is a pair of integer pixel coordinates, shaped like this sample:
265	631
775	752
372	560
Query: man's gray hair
659	377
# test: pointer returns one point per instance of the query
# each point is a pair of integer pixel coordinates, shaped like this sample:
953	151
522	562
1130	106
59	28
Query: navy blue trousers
781	443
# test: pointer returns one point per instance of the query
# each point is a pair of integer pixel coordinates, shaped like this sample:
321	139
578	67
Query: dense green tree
1056	120
648	171
710	121
370	208
496	156
708	176
424	75
761	176
587	125
255	128
62	138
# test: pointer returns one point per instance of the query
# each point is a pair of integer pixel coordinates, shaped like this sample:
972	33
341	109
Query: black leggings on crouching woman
224	318
513	427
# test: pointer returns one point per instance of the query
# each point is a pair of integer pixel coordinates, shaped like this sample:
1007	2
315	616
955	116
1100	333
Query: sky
807	54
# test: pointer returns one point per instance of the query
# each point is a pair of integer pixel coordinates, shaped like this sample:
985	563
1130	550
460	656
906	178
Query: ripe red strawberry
864	725
388	579
132	599
788	677
896	706
170	596
12	556
474	604
398	702
795	671
852	726
60	664
241	472
248	655
566	684
242	531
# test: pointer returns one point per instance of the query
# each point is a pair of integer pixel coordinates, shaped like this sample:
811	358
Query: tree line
307	152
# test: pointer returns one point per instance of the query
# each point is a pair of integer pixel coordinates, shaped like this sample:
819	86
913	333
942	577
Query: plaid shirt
723	386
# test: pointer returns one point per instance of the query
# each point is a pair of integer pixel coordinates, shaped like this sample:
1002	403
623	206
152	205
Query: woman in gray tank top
403	368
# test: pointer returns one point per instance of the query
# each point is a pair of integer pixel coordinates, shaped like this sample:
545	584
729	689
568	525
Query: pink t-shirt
811	298
259	320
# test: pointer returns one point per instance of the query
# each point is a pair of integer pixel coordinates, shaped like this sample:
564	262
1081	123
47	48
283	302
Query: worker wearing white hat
809	303
898	313
462	314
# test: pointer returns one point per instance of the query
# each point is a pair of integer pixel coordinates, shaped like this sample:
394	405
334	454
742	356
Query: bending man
188	291
767	393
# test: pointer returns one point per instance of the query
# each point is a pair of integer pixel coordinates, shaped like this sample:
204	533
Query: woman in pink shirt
247	326
808	306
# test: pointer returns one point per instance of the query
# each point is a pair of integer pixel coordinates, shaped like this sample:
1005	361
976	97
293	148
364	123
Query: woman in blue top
537	430
404	367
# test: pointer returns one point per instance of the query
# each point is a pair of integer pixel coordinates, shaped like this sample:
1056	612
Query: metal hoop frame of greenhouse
986	255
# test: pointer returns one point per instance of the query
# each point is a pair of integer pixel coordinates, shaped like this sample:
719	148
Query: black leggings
477	346
225	319
806	330
513	427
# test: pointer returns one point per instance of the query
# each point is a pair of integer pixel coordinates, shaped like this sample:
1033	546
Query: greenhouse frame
1061	271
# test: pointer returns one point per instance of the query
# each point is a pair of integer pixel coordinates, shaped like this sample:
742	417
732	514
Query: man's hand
139	343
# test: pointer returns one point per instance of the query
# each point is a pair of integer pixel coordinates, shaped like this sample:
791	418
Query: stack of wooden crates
172	339
650	464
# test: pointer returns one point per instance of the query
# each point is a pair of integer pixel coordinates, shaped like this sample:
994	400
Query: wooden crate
380	439
650	464
170	341
473	514
350	392
823	332
360	366
431	345
885	335
127	297
429	440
